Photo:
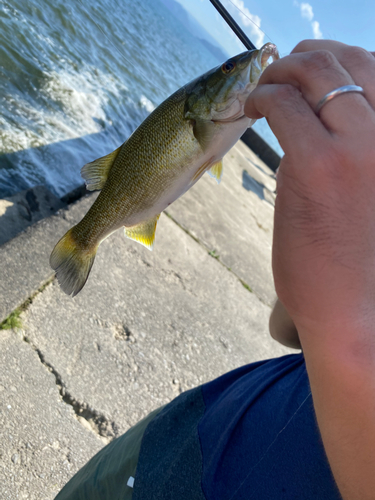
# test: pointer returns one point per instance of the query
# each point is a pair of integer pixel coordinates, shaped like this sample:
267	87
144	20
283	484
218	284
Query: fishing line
249	18
119	51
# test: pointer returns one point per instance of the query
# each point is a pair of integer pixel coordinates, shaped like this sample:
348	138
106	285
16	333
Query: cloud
250	20
307	13
317	33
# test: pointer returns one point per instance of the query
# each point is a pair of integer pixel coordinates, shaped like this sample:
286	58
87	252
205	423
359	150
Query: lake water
78	77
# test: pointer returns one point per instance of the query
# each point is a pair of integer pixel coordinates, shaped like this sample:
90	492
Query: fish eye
228	67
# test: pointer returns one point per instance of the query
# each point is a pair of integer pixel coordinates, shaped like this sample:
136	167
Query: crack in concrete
98	423
90	418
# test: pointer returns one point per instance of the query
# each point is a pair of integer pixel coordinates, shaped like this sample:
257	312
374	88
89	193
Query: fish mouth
269	50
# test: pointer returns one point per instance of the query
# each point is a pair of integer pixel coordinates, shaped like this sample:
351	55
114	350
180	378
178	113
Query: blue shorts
250	434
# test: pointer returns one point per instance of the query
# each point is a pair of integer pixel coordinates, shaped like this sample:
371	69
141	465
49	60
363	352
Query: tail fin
71	263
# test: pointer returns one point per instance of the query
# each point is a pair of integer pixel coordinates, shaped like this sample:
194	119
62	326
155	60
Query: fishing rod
233	25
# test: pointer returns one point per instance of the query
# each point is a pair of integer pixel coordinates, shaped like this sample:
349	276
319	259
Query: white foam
147	104
77	103
81	102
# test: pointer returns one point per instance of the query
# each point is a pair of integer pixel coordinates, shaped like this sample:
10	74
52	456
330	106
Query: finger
290	117
315	74
310	45
358	62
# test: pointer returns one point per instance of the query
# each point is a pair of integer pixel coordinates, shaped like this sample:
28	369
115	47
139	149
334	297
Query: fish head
220	94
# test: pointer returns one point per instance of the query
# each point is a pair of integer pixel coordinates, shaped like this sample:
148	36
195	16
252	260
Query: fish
185	136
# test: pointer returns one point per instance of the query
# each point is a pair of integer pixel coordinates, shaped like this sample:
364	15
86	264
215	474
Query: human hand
324	233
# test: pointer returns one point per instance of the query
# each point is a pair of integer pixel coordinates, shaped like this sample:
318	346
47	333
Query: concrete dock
77	373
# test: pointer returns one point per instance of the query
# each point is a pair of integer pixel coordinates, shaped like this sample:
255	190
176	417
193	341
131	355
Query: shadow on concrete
260	168
250	184
24	209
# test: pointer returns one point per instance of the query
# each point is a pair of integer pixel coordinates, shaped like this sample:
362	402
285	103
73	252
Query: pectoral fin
144	232
216	171
203	131
96	172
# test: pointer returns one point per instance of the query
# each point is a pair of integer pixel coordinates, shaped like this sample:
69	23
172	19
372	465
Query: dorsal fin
96	172
144	232
216	171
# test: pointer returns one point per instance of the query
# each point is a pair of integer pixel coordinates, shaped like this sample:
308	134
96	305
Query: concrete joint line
213	254
27	303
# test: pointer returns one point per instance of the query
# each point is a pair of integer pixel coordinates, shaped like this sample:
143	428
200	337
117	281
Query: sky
286	22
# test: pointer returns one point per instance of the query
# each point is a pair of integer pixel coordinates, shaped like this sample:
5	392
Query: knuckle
303	46
318	60
358	55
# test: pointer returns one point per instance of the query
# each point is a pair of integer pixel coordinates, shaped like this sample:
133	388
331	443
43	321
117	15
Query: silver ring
335	93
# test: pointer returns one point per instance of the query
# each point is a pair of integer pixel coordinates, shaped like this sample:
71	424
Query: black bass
184	137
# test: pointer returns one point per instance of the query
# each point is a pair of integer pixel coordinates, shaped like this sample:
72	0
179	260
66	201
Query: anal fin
216	171
144	232
96	172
